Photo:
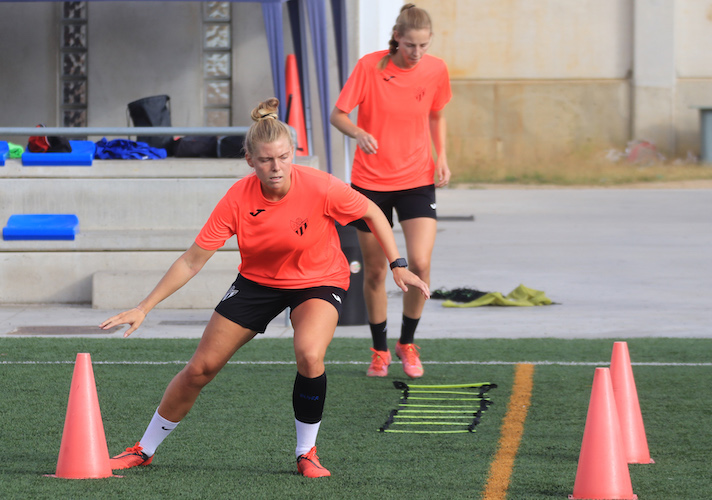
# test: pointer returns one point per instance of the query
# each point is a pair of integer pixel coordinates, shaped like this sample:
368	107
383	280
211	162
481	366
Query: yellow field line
511	434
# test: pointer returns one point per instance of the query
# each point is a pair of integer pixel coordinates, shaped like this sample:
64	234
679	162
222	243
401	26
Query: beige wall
543	79
693	39
693	56
534	121
534	80
532	39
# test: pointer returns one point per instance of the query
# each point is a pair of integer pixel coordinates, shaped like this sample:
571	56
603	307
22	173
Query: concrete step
123	194
120	169
114	240
128	203
135	218
41	277
125	289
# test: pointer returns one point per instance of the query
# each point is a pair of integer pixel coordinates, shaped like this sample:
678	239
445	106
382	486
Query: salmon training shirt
291	243
394	107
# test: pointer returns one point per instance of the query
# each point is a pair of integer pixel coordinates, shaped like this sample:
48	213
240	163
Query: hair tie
265	114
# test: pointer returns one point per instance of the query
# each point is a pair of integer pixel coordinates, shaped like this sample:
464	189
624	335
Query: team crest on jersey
419	93
299	226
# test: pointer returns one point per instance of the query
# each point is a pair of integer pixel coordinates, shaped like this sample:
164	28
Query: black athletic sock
379	333
408	327
308	398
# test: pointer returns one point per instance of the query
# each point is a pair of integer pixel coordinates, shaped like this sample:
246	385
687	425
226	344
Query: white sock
156	432
306	436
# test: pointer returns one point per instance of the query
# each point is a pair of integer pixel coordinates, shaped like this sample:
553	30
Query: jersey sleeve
220	226
343	203
444	92
353	92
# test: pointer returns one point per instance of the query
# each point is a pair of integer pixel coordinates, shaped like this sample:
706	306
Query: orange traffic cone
83	453
635	445
295	114
602	470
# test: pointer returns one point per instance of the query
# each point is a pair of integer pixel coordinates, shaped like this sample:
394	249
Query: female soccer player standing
400	94
283	216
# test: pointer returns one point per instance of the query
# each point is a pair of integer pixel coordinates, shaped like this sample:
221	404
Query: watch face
399	262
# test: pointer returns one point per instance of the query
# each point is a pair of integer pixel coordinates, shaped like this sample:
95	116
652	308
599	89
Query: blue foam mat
41	227
82	155
4	152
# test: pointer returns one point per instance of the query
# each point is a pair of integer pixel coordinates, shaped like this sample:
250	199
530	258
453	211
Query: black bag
232	146
152	112
196	146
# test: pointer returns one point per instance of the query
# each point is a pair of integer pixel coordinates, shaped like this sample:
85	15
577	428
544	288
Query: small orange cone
83	453
635	444
602	471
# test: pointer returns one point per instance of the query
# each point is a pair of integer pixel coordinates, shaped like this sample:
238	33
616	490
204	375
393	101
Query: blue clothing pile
123	149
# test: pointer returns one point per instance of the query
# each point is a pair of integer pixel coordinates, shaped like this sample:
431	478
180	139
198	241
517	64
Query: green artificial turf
238	441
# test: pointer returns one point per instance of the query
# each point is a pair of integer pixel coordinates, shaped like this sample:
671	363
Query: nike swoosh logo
338	299
231	293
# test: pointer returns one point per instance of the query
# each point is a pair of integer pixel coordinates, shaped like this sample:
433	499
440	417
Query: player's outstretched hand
133	317
403	277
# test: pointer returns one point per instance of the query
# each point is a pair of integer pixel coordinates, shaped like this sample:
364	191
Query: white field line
539	363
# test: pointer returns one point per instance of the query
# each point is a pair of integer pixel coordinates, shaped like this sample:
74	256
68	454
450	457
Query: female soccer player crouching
283	216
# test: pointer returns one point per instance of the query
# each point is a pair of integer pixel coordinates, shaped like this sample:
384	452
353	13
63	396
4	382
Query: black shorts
253	306
408	203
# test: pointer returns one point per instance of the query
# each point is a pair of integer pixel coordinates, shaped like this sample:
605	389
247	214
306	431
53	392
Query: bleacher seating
135	218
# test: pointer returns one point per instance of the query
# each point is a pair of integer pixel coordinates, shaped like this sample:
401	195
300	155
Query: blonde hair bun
266	110
267	126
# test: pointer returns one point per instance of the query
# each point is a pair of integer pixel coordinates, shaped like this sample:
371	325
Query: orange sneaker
379	363
308	465
132	457
408	354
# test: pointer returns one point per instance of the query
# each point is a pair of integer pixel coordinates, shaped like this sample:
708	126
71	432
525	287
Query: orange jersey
394	107
291	243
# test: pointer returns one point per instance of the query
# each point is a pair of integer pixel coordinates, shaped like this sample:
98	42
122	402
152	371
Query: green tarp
521	296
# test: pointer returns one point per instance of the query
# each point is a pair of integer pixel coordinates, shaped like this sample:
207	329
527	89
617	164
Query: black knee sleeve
308	398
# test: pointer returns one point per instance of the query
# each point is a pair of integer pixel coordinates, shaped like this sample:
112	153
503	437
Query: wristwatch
399	262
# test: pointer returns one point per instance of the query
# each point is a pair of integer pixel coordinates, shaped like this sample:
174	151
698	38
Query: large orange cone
602	470
83	453
295	114
635	444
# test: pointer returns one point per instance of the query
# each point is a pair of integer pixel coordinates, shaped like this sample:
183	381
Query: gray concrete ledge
125	289
114	240
66	277
168	168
